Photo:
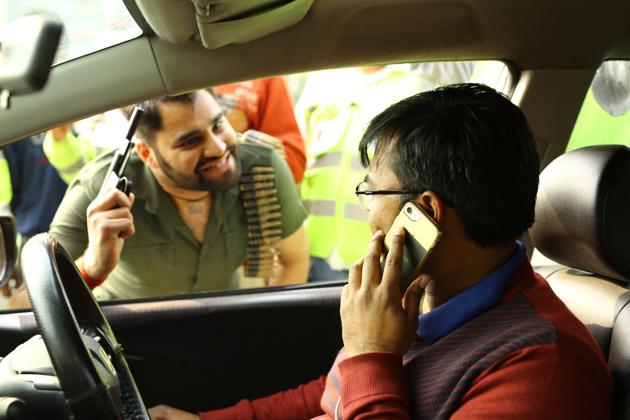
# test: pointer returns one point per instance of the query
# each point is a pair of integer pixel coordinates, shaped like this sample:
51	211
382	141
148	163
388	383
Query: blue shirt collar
473	301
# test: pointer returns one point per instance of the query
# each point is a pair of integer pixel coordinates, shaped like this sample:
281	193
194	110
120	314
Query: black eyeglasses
364	195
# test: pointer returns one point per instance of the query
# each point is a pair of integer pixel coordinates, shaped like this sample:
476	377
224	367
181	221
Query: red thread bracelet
92	283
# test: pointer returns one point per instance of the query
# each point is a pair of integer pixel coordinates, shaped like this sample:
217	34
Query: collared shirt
474	301
163	257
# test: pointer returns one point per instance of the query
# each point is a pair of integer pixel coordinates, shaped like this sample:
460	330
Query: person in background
34	176
262	109
334	108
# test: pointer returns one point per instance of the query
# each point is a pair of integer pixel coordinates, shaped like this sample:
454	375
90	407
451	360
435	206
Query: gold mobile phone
422	233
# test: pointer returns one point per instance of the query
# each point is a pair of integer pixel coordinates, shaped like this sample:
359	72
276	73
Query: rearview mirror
27	48
8	248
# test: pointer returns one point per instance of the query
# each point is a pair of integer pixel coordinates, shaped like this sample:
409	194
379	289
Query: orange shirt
266	105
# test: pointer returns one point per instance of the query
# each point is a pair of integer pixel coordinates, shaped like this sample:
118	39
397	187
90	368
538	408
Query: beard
197	181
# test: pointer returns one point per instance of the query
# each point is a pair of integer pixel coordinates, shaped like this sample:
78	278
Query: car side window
313	121
333	108
604	117
605	114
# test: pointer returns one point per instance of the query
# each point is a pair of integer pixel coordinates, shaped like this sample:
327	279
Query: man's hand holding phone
375	315
109	223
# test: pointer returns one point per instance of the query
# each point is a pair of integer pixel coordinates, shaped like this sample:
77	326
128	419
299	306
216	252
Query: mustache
230	149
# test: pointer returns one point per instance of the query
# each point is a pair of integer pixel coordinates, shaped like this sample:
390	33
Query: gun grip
124	185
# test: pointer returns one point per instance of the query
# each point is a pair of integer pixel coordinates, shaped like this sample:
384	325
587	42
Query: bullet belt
263	217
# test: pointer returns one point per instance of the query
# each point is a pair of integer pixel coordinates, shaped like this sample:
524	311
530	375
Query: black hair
471	146
151	121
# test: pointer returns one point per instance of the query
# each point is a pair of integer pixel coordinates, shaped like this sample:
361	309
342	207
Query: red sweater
528	357
266	105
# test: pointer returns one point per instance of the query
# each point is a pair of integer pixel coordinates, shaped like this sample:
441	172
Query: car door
210	350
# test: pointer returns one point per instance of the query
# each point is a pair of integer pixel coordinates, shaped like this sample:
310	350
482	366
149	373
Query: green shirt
163	257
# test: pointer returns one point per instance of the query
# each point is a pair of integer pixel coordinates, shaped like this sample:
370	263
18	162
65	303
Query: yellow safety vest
6	190
68	155
336	222
337	227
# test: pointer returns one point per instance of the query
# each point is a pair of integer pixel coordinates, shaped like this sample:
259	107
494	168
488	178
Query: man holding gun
203	205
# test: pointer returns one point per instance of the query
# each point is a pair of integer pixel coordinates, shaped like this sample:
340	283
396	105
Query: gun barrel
136	115
121	156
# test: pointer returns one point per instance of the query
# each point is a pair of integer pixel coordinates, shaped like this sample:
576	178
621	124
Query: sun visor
221	22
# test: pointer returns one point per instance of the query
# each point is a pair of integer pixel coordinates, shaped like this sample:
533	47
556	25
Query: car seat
583	224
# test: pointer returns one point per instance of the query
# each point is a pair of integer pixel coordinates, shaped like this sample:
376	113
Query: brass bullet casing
261	177
255	186
259	203
259	227
260	210
262	214
260	260
260	257
264	233
260	266
265	217
256	241
259	193
261	170
259	249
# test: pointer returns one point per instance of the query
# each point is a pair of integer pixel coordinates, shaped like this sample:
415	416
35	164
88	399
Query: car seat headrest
583	211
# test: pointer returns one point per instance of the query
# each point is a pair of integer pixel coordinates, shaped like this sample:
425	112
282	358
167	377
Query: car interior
209	350
580	220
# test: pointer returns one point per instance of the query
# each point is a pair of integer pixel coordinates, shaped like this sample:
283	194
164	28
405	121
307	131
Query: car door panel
209	351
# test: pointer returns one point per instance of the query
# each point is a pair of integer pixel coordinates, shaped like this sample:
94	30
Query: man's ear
145	153
432	204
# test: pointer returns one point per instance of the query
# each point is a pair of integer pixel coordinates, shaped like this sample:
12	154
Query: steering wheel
87	358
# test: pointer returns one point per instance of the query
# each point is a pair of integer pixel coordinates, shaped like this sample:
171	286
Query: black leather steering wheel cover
63	306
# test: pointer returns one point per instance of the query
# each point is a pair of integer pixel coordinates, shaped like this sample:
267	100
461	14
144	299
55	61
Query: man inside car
201	205
478	334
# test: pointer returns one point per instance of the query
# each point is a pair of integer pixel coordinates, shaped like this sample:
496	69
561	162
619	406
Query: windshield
89	25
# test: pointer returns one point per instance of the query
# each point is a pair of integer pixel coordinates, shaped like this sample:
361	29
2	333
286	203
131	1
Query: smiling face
196	147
